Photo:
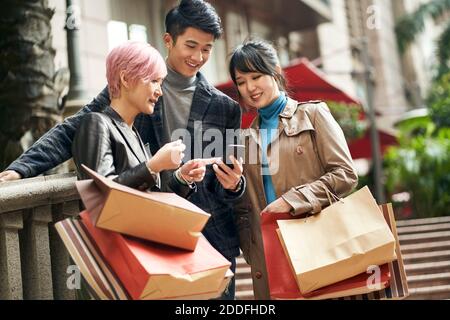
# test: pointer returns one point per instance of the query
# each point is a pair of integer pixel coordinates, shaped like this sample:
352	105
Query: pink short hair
138	60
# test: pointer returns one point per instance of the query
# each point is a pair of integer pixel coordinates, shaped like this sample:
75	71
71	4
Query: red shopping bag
282	282
150	270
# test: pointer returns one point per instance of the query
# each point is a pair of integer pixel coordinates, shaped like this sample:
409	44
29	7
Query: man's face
190	52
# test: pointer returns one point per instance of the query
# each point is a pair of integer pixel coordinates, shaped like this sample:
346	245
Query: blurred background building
326	32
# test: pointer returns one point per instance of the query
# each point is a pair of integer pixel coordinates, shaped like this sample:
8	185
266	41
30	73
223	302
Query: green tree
411	25
348	117
420	164
439	102
28	99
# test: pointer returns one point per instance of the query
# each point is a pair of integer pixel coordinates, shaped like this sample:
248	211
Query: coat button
258	275
299	149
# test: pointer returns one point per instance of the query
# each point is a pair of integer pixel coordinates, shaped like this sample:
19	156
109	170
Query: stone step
424	228
427	268
245	295
418	222
427	246
240	262
429	280
432	256
424	237
244	284
430	293
243	273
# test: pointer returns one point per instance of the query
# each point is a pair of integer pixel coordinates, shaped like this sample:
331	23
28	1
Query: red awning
306	82
361	148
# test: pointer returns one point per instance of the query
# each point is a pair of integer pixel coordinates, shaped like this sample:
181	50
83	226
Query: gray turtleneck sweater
178	92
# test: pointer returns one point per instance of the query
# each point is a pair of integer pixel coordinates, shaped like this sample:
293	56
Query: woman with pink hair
107	141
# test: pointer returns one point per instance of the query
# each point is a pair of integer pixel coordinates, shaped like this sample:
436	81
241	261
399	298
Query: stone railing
33	259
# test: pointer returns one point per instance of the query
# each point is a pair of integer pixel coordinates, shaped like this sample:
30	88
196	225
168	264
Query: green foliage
439	102
347	115
410	26
421	166
443	52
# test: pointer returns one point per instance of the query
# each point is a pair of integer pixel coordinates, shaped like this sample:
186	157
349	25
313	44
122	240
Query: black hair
197	14
256	56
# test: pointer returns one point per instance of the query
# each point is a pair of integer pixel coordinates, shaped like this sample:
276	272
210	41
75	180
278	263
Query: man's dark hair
197	14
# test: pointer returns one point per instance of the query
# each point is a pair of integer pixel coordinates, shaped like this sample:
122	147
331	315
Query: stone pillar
60	256
35	251
10	266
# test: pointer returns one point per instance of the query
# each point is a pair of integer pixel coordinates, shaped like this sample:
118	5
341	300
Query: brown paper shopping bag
158	216
340	242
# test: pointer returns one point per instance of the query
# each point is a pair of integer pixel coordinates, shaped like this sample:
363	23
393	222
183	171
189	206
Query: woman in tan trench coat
291	149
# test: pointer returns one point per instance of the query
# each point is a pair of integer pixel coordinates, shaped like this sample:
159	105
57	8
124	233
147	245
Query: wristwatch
238	187
182	180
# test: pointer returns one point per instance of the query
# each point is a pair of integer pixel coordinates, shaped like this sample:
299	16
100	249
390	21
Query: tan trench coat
310	146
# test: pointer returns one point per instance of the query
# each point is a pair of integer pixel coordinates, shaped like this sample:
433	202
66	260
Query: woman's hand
168	157
194	170
278	206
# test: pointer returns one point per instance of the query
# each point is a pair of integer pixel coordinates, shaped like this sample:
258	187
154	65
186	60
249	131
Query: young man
188	98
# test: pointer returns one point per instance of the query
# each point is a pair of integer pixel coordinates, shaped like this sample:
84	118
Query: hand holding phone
235	150
229	171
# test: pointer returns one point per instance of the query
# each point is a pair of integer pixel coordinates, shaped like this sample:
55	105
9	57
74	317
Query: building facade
105	23
325	31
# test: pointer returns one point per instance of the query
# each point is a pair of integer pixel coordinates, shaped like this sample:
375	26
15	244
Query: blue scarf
268	119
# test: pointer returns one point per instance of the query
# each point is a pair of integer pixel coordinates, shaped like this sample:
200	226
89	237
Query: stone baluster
35	252
33	259
10	262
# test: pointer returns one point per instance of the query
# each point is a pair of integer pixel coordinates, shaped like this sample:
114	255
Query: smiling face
143	95
190	51
257	90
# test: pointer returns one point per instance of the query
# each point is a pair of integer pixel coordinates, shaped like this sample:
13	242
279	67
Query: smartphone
236	150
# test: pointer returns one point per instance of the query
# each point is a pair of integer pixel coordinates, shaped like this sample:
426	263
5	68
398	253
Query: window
138	32
119	32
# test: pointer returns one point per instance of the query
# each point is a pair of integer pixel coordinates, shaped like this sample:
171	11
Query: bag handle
330	195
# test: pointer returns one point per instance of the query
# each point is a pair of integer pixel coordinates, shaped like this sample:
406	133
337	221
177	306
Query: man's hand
194	170
229	178
278	206
9	175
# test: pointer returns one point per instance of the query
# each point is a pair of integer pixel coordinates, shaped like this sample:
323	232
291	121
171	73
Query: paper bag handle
330	195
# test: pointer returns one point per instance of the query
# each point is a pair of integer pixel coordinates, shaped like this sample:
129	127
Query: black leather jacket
107	145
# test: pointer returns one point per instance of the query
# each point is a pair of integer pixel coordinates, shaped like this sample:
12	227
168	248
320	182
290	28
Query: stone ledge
33	192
